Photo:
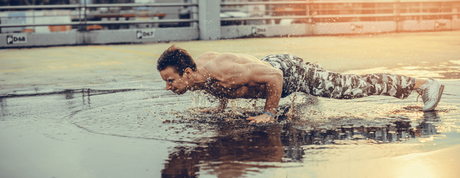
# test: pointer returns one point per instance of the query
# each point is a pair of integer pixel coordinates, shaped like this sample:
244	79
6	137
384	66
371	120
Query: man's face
174	82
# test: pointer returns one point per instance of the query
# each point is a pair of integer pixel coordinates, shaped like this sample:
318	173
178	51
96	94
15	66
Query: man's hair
177	58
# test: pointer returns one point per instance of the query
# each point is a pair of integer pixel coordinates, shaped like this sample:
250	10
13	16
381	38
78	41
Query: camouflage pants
312	79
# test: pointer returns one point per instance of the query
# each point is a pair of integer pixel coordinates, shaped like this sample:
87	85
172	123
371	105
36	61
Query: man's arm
272	79
236	72
273	82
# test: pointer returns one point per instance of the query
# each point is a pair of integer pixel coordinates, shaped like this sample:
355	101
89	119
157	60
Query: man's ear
187	72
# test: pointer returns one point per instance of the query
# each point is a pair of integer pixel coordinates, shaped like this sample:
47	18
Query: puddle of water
314	131
241	150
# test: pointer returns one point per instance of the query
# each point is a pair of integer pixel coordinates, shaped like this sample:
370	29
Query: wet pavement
111	117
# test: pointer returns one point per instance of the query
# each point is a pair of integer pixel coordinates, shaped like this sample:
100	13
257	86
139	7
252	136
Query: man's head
172	65
177	58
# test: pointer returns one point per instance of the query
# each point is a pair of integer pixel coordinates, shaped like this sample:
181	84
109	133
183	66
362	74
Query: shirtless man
230	76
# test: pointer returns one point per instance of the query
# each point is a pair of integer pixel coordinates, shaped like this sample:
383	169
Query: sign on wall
142	34
259	30
16	38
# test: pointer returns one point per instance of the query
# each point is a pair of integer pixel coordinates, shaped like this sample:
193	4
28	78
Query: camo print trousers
311	78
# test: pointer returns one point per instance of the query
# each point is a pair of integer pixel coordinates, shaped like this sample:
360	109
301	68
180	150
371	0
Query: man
230	76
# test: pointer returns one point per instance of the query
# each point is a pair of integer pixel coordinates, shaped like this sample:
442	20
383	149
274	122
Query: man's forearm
273	93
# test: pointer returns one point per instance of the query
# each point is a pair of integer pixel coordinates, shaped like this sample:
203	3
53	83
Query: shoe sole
441	89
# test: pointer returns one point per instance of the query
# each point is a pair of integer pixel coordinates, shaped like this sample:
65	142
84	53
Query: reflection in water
228	155
239	151
426	128
88	94
85	95
68	94
2	105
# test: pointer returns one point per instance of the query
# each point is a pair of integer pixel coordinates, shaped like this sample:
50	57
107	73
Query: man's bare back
232	75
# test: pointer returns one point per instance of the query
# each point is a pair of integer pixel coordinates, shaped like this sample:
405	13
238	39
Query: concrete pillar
209	19
397	11
194	15
454	10
421	11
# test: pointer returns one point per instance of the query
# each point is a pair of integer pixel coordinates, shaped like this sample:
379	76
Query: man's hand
263	118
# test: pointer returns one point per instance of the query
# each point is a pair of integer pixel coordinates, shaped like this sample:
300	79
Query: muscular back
227	57
238	75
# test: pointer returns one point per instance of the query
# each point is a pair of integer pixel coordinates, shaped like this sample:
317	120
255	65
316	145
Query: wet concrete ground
109	115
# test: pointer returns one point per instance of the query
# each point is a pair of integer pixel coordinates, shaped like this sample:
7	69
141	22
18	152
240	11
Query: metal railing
312	13
83	21
100	23
333	11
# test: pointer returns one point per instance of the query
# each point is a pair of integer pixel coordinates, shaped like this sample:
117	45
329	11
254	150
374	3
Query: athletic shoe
431	93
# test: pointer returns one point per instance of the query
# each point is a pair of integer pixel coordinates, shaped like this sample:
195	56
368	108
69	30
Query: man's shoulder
210	53
224	58
205	58
222	62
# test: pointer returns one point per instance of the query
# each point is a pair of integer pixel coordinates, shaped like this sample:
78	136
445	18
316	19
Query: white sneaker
431	93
